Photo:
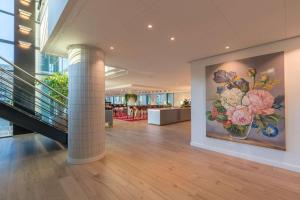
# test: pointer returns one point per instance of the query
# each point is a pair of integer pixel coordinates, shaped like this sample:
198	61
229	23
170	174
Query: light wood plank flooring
142	162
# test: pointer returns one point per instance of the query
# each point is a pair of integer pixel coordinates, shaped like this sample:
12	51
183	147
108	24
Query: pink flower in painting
214	112
240	115
259	102
229	112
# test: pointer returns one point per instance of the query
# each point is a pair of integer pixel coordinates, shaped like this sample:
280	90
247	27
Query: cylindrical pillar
86	109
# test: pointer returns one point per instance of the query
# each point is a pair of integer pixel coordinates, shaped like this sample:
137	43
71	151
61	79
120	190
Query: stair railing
22	91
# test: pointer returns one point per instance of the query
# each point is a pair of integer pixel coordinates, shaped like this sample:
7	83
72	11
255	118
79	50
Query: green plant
58	82
186	103
130	96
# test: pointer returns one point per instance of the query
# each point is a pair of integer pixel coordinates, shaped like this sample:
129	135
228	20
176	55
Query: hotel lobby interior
148	99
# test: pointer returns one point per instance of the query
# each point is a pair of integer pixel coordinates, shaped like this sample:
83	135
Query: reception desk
163	116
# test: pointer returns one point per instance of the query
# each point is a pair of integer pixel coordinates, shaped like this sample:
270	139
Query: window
152	99
170	98
111	99
7	26
118	100
161	99
6	51
47	64
142	99
7	5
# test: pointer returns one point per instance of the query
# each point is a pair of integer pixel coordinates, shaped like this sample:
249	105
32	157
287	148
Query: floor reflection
5	128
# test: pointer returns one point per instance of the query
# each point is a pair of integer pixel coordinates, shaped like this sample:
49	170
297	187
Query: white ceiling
202	28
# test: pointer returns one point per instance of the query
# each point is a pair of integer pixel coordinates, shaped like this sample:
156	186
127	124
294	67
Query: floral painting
245	101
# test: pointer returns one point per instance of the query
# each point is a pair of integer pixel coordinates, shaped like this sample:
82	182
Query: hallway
141	162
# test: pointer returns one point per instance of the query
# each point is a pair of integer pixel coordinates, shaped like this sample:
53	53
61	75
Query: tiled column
86	127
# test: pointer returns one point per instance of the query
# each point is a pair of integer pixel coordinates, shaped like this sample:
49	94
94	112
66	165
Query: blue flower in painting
242	84
254	125
220	89
270	131
278	102
222	76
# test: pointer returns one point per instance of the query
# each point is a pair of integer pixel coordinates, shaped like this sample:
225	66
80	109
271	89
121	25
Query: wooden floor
142	162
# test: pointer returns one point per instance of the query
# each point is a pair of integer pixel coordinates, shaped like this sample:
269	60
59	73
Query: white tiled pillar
86	127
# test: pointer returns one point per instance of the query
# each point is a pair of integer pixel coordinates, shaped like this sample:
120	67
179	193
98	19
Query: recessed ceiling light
150	26
172	38
227	47
112	48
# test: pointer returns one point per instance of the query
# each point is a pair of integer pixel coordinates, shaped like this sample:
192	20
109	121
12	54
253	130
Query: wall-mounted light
24	14
24	45
24	29
25	2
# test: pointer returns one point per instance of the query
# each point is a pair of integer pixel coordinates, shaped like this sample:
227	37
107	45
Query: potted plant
186	103
130	98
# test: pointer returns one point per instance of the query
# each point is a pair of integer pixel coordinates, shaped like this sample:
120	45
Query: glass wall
45	66
6	49
119	100
7	5
49	64
109	99
158	99
161	99
170	99
145	99
142	99
7	31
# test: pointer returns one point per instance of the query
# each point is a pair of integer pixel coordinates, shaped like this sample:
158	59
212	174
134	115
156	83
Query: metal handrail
21	103
33	103
35	79
22	80
10	83
47	111
53	124
62	127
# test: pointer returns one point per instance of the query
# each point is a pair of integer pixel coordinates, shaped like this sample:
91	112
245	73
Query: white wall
181	96
289	159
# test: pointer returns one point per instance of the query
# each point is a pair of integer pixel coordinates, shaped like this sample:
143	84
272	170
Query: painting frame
245	101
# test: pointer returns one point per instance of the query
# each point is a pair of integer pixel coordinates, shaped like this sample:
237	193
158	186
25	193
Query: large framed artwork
245	101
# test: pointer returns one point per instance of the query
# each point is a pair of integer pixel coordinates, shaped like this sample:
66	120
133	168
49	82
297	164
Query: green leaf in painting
221	109
221	118
217	103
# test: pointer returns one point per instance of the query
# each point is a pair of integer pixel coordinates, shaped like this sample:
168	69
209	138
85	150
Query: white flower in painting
231	98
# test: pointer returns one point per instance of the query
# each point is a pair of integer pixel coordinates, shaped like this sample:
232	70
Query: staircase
26	102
